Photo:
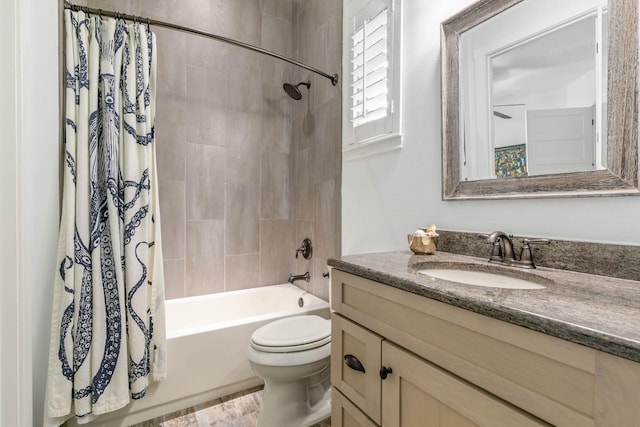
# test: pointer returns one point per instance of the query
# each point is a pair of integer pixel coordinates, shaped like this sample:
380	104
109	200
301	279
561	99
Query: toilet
292	356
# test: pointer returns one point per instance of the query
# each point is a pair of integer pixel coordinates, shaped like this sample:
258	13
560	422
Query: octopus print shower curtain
108	334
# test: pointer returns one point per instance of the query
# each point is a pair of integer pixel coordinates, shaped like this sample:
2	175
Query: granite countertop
596	311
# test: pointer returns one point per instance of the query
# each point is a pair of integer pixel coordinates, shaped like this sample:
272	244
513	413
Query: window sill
372	147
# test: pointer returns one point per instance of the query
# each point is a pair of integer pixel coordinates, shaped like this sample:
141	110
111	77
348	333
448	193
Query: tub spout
292	278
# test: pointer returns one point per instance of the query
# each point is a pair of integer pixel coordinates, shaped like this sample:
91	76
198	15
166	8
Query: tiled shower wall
317	136
245	172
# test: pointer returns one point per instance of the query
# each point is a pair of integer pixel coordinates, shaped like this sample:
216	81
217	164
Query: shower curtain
108	334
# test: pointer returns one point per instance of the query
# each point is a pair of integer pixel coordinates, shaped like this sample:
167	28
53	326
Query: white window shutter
371	66
369	70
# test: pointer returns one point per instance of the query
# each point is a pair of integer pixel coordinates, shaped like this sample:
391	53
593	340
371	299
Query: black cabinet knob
384	371
353	363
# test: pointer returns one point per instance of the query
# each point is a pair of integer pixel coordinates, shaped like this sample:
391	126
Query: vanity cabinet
451	367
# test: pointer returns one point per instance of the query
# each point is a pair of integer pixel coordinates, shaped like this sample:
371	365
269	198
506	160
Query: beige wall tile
275	100
174	279
172	217
156	9
304	27
205	87
298	5
276	35
204	257
234	148
242	219
208	53
276	129
326	149
203	15
122	6
170	134
275	185
328	60
319	285
303	128
244	18
317	133
207	124
205	182
276	251
242	271
279	8
304	230
244	136
171	69
303	188
326	214
326	232
243	82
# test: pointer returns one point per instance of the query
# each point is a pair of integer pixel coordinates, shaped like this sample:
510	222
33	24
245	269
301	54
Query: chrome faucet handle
306	249
497	239
537	241
496	251
526	256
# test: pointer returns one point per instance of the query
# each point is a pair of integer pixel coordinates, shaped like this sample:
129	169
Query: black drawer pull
384	371
353	363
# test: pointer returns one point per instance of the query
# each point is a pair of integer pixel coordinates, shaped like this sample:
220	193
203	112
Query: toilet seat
292	334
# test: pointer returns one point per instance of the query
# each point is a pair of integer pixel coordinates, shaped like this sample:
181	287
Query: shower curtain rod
149	21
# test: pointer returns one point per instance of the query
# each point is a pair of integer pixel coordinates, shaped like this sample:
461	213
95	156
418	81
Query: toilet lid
296	333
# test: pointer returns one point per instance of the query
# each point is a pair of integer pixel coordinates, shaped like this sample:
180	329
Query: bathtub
207	338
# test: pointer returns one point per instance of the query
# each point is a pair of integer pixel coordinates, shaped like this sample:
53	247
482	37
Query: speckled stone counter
596	311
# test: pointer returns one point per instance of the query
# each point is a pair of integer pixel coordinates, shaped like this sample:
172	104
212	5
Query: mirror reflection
533	91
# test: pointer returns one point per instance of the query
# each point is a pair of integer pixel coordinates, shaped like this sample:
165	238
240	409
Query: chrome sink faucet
500	239
497	254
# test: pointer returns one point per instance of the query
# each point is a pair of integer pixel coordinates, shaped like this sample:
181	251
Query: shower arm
101	12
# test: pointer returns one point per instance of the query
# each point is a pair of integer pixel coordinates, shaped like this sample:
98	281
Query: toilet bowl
292	356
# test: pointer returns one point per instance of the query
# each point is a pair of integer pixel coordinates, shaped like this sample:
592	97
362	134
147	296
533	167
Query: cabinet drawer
352	344
345	414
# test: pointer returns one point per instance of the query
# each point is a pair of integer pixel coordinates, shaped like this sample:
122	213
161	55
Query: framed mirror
540	99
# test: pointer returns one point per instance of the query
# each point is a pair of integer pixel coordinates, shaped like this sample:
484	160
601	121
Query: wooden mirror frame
621	177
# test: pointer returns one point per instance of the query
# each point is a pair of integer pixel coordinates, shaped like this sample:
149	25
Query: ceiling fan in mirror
503	115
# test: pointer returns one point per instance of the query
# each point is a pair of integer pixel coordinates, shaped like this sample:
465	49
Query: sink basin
480	278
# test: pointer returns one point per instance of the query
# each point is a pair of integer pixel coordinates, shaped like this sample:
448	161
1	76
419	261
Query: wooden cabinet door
346	414
351	341
419	394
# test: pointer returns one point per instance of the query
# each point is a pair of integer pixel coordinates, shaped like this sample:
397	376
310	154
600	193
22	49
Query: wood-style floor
237	410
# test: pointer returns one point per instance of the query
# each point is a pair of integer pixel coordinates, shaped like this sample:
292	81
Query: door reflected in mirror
533	91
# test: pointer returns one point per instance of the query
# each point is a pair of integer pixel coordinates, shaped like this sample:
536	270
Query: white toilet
292	356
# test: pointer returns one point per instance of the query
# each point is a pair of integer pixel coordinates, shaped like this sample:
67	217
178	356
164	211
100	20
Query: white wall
29	203
389	195
10	390
40	175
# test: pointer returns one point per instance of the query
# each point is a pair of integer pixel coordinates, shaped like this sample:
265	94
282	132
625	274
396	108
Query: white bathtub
207	338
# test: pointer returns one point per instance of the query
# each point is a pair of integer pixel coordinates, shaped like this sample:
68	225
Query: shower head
293	91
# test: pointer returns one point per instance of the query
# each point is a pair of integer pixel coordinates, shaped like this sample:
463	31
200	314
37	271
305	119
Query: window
371	61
